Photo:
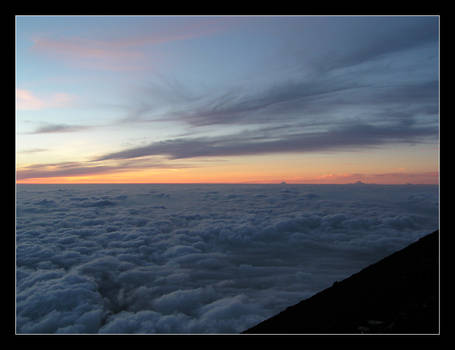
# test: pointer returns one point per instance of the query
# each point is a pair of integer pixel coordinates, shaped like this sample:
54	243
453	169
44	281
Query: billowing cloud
198	258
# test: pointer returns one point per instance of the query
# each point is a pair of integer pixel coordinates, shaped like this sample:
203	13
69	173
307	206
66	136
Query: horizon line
219	183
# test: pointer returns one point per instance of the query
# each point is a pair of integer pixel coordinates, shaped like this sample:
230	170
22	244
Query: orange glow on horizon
431	178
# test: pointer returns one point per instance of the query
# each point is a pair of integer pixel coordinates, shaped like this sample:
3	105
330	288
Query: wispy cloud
122	53
348	137
367	75
89	53
33	150
373	38
59	128
27	100
68	169
339	105
309	101
43	171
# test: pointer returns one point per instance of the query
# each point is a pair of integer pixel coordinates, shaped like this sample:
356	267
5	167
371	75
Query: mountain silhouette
396	295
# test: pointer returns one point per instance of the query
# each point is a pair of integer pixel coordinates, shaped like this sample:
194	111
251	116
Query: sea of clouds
198	258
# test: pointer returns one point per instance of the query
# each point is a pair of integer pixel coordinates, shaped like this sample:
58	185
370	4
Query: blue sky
226	99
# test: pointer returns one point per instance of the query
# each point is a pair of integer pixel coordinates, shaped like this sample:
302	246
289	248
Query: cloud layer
197	258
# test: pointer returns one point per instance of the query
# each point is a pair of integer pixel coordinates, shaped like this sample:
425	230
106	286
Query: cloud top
197	258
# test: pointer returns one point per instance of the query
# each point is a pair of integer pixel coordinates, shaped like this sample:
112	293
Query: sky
227	99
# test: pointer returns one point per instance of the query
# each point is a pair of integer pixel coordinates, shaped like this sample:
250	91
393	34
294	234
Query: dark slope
398	294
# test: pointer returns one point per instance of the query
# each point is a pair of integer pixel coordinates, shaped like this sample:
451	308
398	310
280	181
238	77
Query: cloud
376	37
219	259
348	137
26	100
357	93
88	168
230	313
60	302
184	301
311	102
124	53
127	322
75	169
366	68
281	99
33	150
88	53
59	128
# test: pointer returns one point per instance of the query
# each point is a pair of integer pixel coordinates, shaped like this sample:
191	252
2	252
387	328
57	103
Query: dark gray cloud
58	128
274	105
40	171
87	168
312	101
348	137
369	38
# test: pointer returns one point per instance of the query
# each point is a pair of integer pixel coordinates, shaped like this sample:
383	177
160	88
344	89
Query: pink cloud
26	100
122	53
89	53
